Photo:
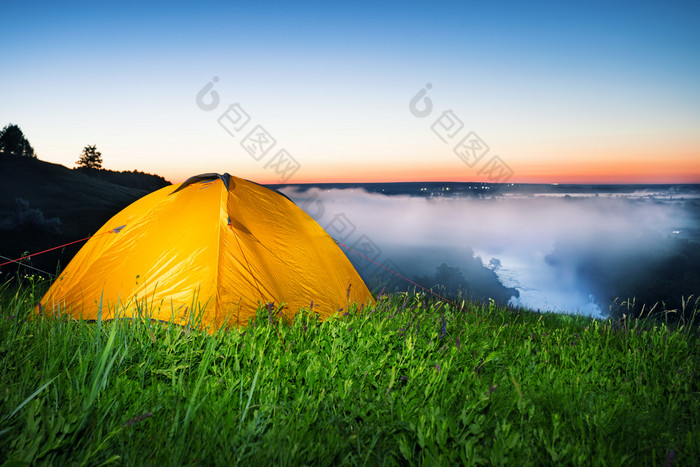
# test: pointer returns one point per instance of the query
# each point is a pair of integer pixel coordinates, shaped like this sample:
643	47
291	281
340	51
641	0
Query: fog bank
538	252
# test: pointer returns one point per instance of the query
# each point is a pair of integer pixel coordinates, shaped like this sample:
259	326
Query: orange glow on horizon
616	167
610	173
572	179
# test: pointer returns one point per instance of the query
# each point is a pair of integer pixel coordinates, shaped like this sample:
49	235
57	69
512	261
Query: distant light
676	231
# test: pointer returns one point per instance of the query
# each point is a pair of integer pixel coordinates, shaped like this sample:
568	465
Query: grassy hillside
409	381
47	191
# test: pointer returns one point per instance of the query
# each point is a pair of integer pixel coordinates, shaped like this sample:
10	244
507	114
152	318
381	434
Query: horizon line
266	181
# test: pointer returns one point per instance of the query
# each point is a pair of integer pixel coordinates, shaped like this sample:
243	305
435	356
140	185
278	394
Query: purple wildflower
437	367
459	344
137	419
671	457
443	327
404	304
347	295
270	307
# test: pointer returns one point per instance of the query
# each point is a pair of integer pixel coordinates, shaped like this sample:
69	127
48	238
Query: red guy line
398	275
115	230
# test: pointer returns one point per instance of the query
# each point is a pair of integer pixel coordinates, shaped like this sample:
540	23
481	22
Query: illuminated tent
216	245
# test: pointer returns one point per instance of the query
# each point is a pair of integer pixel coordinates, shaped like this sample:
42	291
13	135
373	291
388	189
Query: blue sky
561	91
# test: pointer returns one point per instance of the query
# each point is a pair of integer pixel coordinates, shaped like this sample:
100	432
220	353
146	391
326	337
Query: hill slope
34	193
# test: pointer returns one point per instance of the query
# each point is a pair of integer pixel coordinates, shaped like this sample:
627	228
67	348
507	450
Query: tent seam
217	276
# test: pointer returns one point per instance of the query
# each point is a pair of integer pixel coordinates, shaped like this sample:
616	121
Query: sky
298	92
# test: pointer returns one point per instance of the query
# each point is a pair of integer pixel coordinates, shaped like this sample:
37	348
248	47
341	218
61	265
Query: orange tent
216	247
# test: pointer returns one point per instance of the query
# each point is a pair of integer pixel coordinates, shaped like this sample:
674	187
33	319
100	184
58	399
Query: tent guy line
118	229
279	243
10	260
114	230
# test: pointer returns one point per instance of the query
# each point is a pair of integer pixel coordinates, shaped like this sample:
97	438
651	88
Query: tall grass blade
250	394
31	396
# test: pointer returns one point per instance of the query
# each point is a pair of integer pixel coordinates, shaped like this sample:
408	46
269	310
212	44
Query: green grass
409	381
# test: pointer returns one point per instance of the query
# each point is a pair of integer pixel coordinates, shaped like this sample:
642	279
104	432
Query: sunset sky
567	92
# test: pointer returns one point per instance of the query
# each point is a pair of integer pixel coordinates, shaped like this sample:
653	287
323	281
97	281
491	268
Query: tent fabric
217	245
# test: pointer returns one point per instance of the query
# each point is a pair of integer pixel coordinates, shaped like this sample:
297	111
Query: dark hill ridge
34	193
133	179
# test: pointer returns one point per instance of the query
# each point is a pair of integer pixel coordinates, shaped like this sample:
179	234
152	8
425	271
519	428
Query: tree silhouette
13	141
90	158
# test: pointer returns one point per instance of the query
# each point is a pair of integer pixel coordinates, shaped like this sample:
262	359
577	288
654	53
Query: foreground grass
408	381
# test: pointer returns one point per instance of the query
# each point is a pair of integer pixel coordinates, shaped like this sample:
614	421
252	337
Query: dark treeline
131	179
